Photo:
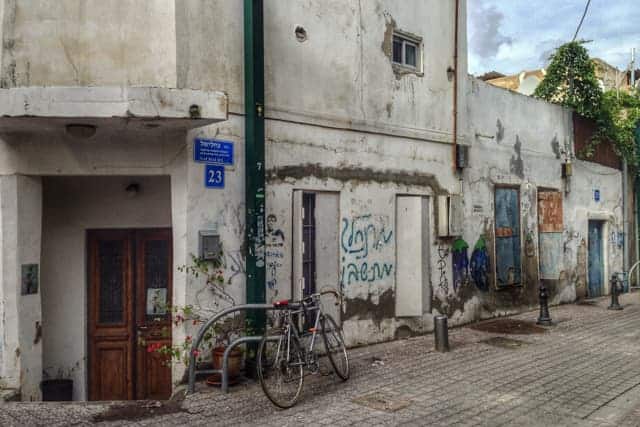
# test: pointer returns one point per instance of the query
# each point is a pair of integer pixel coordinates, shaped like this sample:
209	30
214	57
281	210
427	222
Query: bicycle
282	358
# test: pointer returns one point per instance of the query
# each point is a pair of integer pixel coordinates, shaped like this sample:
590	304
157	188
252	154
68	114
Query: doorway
130	287
507	232
596	259
316	246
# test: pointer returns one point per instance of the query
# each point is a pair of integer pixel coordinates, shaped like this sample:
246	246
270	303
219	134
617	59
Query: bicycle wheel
335	348
280	371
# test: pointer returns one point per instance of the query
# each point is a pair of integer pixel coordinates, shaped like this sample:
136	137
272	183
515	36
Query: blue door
508	264
596	260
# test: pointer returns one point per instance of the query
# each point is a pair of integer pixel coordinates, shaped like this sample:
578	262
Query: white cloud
521	34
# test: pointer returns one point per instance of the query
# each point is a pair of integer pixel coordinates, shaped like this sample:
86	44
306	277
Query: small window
406	51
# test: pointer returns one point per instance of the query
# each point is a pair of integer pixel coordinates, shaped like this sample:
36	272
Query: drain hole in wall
301	34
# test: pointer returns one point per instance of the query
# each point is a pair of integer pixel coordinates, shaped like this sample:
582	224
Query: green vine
571	81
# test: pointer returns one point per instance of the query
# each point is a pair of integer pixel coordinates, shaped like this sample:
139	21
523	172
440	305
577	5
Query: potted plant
221	334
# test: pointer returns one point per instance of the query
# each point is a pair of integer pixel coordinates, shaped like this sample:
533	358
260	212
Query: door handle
143	328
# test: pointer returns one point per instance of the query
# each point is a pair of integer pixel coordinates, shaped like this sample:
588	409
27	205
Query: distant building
526	82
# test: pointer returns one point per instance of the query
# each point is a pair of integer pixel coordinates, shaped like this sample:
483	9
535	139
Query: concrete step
9	395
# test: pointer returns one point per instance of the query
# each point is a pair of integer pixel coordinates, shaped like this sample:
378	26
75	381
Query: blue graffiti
480	265
359	235
460	263
365	272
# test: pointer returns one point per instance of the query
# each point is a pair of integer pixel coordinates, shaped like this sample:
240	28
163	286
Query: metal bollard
441	332
544	318
615	305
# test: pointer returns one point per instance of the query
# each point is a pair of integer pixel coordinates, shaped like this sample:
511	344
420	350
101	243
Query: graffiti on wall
275	251
460	263
443	254
363	240
479	265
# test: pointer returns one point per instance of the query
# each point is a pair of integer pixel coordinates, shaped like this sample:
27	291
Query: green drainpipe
254	160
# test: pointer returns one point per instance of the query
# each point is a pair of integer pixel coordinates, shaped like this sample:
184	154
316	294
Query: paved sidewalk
584	371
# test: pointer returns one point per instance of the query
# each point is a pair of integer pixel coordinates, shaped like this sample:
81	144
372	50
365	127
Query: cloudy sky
514	35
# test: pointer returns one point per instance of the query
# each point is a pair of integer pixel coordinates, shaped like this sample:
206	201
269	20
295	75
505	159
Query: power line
586	8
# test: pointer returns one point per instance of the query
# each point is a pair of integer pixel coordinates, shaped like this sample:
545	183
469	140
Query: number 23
215	177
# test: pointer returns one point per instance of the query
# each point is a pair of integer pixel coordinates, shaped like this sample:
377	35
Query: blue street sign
213	151
214	176
596	195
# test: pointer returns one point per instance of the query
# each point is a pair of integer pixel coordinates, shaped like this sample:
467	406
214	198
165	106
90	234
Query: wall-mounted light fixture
132	190
451	72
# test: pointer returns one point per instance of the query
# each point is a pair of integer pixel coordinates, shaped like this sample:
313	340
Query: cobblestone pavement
584	371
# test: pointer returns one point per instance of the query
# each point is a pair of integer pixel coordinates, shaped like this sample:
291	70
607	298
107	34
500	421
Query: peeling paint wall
340	119
522	142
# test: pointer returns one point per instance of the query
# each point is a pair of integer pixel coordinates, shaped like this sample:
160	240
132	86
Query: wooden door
129	288
110	315
153	319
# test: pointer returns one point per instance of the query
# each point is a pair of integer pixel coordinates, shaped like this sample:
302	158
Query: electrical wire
586	8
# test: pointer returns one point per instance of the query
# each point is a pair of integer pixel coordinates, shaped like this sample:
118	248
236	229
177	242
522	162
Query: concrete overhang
41	109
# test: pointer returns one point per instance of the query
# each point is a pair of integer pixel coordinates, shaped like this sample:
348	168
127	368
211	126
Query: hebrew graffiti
363	239
443	254
361	234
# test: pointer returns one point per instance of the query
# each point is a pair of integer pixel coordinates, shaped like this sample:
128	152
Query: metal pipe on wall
254	158
455	84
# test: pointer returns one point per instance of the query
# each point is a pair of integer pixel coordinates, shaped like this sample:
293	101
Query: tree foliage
571	81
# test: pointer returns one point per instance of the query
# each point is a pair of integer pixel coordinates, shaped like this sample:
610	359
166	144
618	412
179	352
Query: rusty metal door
507	229
550	233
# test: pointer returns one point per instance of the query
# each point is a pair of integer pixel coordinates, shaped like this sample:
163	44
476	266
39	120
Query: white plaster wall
71	206
89	43
21	208
521	141
110	152
10	371
341	75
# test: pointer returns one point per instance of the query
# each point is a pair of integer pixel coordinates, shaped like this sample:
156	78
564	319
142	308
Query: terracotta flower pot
233	367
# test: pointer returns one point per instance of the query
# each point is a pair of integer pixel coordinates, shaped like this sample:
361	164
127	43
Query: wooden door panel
111	368
110	315
153	319
154	373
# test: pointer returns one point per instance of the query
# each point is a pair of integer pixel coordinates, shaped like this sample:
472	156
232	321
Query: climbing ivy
571	81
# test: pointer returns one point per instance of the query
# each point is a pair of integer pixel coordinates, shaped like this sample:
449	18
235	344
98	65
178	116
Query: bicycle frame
292	327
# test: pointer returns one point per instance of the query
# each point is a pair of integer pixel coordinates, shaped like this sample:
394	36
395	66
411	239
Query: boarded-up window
508	258
550	233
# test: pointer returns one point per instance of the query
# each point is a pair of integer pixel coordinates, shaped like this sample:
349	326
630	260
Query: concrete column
20	242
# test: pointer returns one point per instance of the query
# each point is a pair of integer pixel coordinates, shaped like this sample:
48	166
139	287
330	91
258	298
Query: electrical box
450	216
462	156
209	244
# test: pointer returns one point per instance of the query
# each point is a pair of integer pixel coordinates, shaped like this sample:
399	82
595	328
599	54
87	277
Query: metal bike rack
634	269
225	360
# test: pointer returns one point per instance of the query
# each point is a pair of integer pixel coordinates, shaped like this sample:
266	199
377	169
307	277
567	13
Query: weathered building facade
100	197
